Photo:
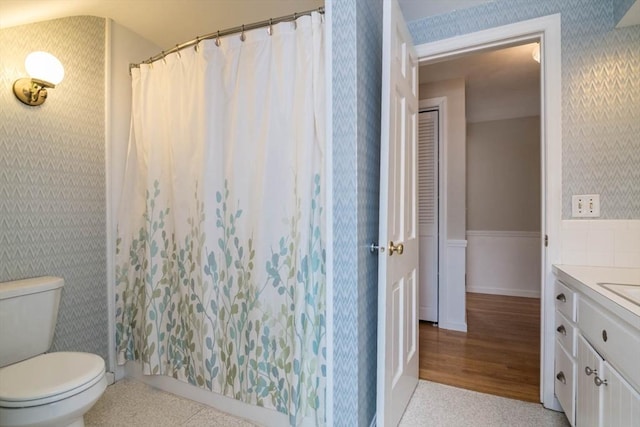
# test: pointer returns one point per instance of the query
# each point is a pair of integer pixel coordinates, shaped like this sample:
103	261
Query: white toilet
38	388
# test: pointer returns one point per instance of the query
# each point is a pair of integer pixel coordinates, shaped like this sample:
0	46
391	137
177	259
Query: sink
626	291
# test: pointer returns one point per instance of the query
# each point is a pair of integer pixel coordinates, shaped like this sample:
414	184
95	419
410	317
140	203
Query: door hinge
546	240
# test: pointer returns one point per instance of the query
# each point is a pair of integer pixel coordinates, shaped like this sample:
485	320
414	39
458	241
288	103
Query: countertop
585	279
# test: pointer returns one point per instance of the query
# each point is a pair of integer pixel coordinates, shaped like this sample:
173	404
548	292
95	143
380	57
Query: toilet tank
28	314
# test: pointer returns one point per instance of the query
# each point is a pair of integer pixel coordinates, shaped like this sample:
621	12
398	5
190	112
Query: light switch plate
585	206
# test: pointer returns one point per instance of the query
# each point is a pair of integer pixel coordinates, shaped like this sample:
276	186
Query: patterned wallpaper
52	177
369	27
357	28
620	7
345	251
600	92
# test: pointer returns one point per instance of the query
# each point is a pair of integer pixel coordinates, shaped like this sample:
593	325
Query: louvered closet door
428	214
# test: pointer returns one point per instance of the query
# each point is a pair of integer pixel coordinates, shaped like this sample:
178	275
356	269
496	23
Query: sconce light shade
45	71
536	53
44	66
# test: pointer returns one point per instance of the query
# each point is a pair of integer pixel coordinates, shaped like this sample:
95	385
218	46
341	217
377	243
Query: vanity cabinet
604	398
597	363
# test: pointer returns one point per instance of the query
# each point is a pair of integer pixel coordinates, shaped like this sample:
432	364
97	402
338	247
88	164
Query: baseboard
460	327
111	378
479	289
429	314
120	372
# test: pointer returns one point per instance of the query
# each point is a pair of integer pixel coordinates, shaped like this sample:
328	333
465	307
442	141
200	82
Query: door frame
440	103
546	30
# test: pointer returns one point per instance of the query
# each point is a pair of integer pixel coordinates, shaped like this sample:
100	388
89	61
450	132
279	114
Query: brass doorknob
399	248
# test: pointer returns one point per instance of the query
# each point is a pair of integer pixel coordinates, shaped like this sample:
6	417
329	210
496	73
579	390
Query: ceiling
169	22
499	84
417	9
162	22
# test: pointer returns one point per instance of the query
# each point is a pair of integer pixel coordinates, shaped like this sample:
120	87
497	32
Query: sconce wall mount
45	70
31	91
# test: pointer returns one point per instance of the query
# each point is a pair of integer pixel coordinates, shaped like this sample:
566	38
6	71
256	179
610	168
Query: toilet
37	388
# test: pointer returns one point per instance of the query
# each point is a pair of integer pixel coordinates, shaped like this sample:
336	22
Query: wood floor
499	354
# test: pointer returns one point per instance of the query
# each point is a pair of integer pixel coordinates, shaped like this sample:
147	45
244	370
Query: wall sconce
536	53
45	70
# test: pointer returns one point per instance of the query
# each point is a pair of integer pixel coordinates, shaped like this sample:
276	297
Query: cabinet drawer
565	333
613	339
565	301
565	369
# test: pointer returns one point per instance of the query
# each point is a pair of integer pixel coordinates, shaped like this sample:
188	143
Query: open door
398	255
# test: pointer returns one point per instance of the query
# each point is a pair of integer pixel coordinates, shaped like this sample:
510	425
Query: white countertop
585	279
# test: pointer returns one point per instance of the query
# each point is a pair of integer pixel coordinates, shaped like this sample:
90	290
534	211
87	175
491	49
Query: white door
428	214
398	261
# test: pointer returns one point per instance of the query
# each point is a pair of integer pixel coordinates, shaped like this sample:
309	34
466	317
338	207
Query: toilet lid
48	377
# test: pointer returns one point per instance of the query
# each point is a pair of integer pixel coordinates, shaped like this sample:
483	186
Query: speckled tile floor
438	405
133	404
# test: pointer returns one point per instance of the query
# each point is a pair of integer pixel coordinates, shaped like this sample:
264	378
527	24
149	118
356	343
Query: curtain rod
239	29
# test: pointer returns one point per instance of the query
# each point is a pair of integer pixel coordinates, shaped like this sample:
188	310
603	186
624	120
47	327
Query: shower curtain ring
197	45
164	57
242	36
270	29
295	24
218	39
178	51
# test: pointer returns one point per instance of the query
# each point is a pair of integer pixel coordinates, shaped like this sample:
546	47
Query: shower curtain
220	258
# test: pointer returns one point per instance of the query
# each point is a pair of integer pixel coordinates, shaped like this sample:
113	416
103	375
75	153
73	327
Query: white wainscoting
504	263
452	302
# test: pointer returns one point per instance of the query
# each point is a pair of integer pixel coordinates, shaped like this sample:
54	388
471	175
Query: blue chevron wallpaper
620	7
356	55
600	91
52	177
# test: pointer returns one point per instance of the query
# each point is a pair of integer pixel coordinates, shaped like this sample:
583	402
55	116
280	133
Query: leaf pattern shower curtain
220	263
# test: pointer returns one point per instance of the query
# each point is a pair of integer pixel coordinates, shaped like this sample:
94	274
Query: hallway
500	353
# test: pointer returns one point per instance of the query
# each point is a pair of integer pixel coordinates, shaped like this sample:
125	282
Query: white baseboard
460	327
500	291
428	313
111	378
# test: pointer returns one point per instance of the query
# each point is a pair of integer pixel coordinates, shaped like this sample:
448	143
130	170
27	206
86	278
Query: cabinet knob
604	335
598	381
589	371
561	298
561	329
561	377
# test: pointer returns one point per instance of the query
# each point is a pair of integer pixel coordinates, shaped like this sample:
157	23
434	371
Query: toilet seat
48	378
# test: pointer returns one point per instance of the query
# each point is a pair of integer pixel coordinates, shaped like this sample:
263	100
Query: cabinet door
621	403
587	393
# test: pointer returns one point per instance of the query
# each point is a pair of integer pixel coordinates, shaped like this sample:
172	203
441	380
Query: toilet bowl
53	389
37	388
